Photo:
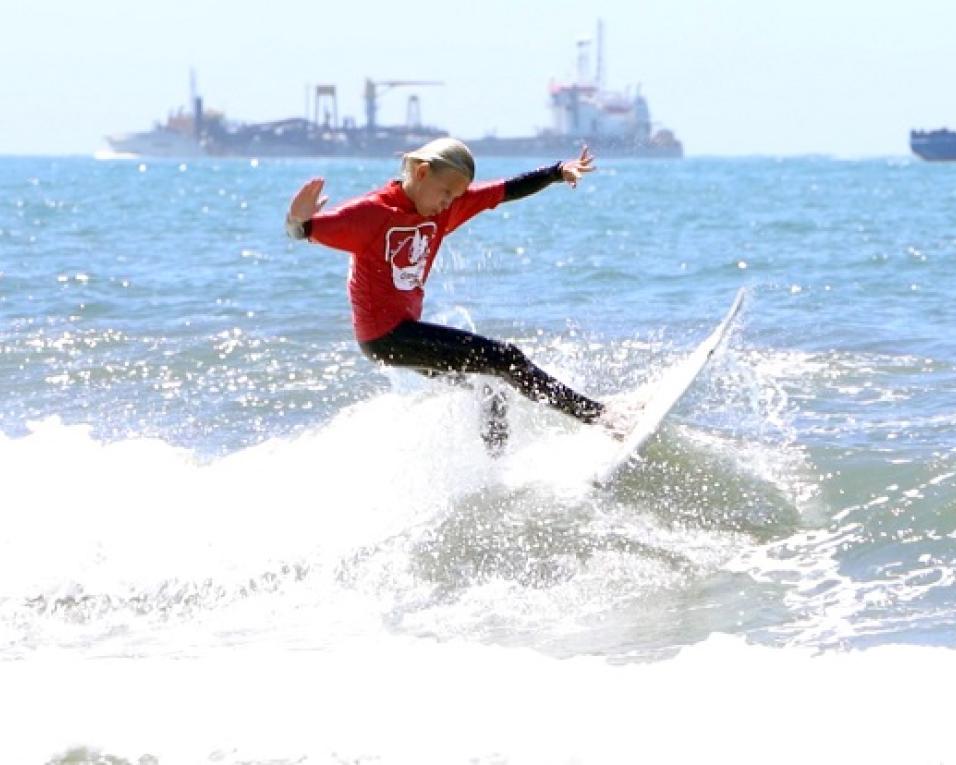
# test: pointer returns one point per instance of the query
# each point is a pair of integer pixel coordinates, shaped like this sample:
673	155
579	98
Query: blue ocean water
200	471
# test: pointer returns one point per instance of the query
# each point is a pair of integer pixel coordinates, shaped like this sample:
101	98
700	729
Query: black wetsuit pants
435	349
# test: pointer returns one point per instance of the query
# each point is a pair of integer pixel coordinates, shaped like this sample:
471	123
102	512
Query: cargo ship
613	124
174	138
205	132
934	145
182	134
616	124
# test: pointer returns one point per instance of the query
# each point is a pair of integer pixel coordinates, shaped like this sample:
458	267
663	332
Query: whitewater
228	537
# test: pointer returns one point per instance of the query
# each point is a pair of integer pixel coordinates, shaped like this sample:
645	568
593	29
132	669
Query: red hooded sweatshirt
393	249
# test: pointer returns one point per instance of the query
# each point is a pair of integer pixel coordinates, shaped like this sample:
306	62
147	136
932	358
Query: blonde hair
442	152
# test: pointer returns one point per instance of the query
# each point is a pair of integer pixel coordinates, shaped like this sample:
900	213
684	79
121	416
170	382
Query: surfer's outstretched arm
570	171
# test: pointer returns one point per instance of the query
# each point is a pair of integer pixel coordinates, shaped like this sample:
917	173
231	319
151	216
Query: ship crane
374	89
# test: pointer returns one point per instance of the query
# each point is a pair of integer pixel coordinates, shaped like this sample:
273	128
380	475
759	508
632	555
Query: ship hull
156	143
264	141
934	145
561	145
307	140
288	138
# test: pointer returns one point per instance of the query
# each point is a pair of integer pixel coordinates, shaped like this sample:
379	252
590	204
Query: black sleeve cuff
532	182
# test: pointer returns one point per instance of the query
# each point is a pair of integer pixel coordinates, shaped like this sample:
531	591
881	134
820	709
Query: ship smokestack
196	100
197	117
584	73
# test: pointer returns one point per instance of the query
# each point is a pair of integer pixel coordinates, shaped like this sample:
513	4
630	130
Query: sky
729	77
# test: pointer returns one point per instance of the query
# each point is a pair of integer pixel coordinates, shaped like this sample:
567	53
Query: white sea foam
391	510
142	509
108	154
301	569
396	700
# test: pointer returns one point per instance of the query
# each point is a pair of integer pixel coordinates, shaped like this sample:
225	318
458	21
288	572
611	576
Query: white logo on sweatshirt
406	249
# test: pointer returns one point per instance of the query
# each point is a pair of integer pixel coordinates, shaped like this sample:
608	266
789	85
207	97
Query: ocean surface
227	537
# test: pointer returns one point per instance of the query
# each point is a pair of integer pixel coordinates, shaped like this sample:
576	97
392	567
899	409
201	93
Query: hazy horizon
739	80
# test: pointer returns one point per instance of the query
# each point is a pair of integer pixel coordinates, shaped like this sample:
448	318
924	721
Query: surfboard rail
667	391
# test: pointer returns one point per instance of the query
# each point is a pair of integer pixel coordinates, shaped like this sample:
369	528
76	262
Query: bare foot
616	422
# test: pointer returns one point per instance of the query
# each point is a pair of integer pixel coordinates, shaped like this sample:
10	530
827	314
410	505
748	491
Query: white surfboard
664	395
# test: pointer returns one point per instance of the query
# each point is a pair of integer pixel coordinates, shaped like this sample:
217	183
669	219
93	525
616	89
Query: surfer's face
434	189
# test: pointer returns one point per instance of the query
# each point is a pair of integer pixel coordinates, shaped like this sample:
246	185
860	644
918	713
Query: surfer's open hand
573	169
307	201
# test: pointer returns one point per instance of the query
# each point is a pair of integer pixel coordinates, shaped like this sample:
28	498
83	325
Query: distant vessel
204	132
583	112
934	145
176	138
160	142
611	123
180	136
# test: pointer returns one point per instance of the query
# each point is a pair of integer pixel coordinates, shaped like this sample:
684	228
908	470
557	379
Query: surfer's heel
616	423
494	420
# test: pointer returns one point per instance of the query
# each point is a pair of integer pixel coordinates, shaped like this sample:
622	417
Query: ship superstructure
182	135
205	132
584	108
583	111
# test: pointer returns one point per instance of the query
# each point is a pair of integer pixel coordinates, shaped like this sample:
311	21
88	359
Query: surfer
393	234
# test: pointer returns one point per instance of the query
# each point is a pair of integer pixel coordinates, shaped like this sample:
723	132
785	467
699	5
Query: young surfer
393	235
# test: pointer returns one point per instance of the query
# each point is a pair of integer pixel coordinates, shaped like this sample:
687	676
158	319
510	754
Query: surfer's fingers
570	174
582	164
315	192
310	189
